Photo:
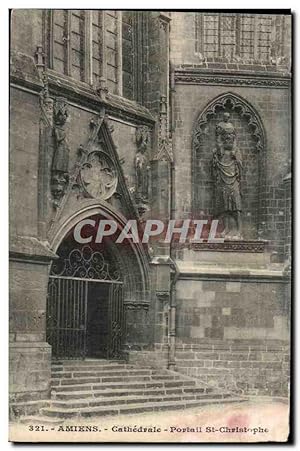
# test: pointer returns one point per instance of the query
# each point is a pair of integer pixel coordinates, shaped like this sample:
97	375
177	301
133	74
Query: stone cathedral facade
116	114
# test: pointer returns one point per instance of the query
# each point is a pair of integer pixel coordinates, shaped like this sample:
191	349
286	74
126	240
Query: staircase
101	387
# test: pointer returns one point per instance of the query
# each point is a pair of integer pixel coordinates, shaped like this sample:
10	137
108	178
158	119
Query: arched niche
251	142
125	263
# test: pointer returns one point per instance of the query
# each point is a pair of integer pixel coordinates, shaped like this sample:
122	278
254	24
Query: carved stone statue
60	162
61	155
142	167
227	169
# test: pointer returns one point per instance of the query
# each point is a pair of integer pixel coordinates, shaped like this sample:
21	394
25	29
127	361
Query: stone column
161	162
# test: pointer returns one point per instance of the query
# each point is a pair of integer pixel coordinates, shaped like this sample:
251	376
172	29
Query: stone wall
230	309
157	357
243	366
30	371
30	355
232	321
27	26
24	154
28	292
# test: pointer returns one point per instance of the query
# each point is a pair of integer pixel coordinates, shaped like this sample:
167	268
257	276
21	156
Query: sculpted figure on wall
60	162
227	170
142	167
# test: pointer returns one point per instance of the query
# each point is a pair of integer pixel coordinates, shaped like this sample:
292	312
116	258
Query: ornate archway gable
100	141
91	208
237	103
106	130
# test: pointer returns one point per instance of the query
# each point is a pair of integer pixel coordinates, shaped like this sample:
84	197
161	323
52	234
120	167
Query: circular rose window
99	176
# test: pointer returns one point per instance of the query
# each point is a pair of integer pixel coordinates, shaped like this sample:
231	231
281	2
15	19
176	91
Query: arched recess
130	261
91	208
251	141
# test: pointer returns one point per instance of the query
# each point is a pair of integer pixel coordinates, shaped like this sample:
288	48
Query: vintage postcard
150	225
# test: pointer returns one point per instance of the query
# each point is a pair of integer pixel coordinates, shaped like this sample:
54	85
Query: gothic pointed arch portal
251	142
93	294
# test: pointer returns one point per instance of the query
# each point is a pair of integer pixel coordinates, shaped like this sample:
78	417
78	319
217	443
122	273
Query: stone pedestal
30	355
30	371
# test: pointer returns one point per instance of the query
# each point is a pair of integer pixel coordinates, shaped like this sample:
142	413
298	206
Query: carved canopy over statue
227	170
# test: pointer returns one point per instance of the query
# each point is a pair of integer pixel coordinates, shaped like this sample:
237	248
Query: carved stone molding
186	77
226	246
85	95
95	175
233	102
102	89
46	148
46	103
98	166
98	176
163	296
136	305
164	151
164	20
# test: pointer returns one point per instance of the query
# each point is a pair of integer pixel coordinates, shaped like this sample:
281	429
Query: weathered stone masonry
220	314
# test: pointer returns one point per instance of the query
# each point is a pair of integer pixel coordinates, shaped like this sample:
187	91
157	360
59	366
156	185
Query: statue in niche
142	167
60	162
227	170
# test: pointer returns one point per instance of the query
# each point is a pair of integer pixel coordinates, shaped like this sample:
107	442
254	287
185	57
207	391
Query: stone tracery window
68	42
247	28
134	40
235	37
95	45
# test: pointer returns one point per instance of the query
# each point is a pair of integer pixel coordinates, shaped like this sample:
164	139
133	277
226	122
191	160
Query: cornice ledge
136	305
251	275
30	248
84	94
23	71
205	76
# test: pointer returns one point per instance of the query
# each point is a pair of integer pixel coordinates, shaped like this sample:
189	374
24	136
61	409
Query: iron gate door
66	317
116	321
67	314
70	295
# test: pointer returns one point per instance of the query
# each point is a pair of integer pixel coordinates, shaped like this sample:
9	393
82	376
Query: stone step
96	362
129	392
94	380
123	409
103	388
123	385
135	399
100	373
90	367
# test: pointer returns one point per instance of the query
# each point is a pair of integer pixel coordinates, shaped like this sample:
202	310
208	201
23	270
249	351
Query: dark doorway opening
85	318
85	309
97	333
